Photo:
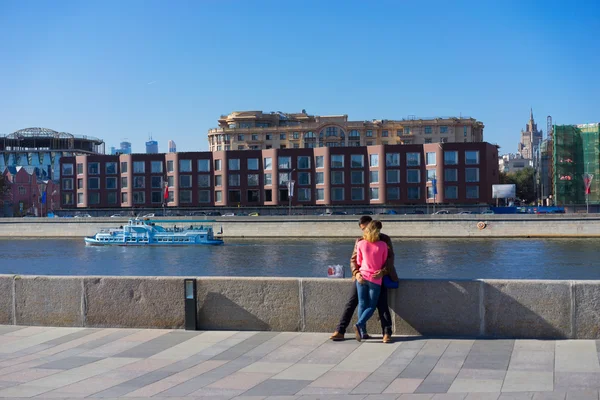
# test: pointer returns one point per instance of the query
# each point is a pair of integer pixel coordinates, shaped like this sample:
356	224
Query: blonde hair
371	231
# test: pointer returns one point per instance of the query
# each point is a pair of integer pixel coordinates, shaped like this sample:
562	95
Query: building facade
255	130
463	173
172	147
151	147
26	188
530	138
509	163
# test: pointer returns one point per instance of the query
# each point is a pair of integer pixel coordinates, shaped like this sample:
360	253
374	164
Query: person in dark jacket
382	304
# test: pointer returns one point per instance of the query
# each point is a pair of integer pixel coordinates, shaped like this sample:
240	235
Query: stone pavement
74	363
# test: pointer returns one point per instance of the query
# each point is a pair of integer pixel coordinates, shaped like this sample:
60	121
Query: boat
144	232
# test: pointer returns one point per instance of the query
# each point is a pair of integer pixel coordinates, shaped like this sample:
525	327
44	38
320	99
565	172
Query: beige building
255	130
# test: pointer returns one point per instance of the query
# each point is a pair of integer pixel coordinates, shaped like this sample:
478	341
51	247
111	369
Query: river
415	258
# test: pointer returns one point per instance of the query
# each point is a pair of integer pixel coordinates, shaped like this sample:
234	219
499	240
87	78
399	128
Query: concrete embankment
479	308
450	226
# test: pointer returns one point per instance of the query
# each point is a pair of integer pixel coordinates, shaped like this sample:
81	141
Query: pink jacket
371	258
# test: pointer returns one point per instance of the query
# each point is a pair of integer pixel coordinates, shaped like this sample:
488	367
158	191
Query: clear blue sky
85	67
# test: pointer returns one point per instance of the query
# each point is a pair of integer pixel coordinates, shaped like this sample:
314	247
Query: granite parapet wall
540	309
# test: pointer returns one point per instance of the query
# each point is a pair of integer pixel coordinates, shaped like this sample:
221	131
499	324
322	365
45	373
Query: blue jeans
368	295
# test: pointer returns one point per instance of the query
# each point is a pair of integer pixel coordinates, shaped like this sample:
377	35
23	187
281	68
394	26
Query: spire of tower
531	114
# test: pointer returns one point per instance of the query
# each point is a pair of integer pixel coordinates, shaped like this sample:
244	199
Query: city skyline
508	58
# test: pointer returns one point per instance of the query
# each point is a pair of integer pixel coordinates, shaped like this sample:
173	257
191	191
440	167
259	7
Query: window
93	168
451	157
413	159
268	195
94	198
282	136
451	192
156	167
218	165
431	174
357	194
171	196
393	193
252	179
303	178
337	161
254	136
139	167
320	178
337	194
124	197
450	175
203	165
80	183
465	131
337	177
110	168
303	194
67	184
303	162
218	180
218	196
67	169
392	176
430	158
369	133
384	133
123	167
253	164
413	192
268	136
296	135
185	196
400	132
139	182
373	176
235	196
139	197
472	192
156	182
407	131
156	197
170	181
79	198
430	194
111	197
268	163
374	193
124	182
472	157
240	138
357	161
79	169
67	198
413	176
285	163
392	160
319	162
320	194
472	174
443	129
428	129
357	177
284	177
234	179
204	180
428	140
111	183
253	196
94	183
374	160
268	179
204	196
234	164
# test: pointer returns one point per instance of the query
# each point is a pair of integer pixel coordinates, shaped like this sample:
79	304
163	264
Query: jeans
382	308
368	295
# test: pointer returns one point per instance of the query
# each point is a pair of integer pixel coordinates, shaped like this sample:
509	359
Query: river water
415	258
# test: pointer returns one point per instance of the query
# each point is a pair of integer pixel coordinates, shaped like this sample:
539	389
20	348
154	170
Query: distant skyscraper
530	138
113	150
125	148
172	147
151	146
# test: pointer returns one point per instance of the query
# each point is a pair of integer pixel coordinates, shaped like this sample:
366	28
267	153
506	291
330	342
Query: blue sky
125	69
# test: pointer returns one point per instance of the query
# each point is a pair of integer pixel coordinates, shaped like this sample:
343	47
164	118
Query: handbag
389	283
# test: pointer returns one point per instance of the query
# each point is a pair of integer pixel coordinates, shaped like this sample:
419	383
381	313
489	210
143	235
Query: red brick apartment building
369	175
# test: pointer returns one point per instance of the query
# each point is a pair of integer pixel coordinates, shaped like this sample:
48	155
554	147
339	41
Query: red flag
166	191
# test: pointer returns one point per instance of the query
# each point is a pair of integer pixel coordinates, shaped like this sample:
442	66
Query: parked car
364	212
196	214
466	213
254	214
442	212
83	216
116	216
213	214
389	212
487	212
230	214
415	212
149	215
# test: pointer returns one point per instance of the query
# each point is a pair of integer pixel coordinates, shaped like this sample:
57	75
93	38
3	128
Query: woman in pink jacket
371	254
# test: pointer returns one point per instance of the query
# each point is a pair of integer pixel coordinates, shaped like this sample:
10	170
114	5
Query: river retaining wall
477	308
450	226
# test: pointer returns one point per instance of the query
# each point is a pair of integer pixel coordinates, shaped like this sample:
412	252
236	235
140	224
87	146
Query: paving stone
483	396
569	381
369	387
69	362
309	372
528	381
429	387
245	346
475	385
549	396
420	367
582	395
421	396
157	345
381	397
340	379
527	360
576	356
278	387
450	396
403	385
516	396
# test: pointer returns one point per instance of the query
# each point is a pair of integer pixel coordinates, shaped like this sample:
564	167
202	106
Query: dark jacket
388	267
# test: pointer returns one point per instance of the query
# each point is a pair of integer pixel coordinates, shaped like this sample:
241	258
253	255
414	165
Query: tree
3	188
523	179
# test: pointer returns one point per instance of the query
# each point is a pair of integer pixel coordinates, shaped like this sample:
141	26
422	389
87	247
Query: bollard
191	314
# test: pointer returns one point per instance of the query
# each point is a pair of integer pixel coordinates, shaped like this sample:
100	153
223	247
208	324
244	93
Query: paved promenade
49	363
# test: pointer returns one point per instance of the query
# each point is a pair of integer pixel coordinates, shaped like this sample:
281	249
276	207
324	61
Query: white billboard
504	191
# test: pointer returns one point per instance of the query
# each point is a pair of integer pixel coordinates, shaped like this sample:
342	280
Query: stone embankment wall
479	308
451	226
